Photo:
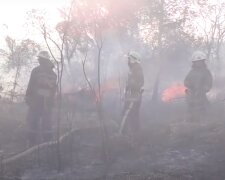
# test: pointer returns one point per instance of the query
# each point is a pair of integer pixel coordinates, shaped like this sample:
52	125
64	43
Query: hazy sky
13	15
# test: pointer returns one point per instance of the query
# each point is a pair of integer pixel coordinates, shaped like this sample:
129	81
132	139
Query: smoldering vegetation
168	147
93	70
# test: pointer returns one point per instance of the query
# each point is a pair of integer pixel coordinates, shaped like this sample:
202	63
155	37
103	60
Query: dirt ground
168	148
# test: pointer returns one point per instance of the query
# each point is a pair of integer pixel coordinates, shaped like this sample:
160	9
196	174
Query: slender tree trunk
59	110
99	107
98	98
15	83
155	94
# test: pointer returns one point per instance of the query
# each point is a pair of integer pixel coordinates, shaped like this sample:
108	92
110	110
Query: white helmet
44	55
134	57
198	56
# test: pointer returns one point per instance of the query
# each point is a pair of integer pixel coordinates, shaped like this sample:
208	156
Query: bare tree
214	32
19	55
59	47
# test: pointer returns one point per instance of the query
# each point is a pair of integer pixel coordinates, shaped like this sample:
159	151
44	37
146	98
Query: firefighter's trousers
133	120
197	107
39	124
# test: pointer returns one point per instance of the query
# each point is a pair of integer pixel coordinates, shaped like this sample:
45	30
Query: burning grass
173	92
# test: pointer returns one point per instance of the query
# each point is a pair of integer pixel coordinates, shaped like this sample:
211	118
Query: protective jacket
42	87
135	82
198	82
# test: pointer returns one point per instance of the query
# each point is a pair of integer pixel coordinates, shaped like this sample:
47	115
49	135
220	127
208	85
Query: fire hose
127	112
124	119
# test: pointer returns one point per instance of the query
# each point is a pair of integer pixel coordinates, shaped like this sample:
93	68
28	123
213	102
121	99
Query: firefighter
133	95
198	83
40	98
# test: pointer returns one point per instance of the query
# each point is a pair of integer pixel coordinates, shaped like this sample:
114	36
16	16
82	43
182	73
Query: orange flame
173	92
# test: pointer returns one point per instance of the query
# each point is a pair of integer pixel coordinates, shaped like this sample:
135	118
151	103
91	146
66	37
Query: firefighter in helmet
40	98
198	83
133	94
